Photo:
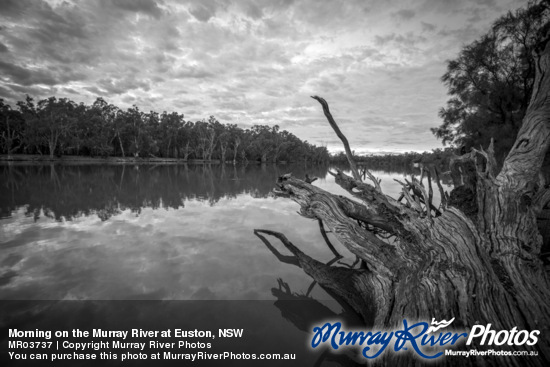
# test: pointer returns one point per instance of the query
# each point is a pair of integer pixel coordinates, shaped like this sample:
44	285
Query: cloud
203	11
8	93
149	7
121	86
192	71
251	61
404	14
26	76
427	27
487	3
14	9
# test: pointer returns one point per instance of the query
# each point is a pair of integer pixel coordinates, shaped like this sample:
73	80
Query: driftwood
422	262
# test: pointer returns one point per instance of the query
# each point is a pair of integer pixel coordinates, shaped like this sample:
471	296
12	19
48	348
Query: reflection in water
142	232
167	232
61	191
309	312
151	232
304	312
316	313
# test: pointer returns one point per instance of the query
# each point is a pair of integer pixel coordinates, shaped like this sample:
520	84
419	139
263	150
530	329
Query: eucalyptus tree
224	140
279	141
47	122
491	82
207	137
235	139
170	125
81	133
185	138
262	144
151	139
136	129
11	128
102	116
120	129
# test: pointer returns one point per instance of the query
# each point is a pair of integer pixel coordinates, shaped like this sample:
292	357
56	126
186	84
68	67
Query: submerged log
479	264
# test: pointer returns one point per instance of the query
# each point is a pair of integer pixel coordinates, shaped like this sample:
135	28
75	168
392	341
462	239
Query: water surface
174	232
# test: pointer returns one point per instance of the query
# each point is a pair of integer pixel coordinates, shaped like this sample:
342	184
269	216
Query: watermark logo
509	337
439	325
428	341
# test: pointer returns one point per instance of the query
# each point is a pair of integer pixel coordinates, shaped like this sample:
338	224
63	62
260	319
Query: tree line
61	126
438	158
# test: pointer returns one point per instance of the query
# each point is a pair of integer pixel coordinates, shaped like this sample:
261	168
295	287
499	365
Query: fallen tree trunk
421	262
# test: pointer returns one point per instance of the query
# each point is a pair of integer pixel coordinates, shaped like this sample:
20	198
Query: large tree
101	118
170	124
421	262
11	129
491	81
48	123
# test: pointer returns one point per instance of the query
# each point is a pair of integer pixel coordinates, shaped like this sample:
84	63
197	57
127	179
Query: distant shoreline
81	159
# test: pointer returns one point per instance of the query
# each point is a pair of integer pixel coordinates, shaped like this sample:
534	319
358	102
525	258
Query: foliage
60	126
491	81
11	123
437	157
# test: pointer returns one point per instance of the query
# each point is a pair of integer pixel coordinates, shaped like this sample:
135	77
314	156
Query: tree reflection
69	191
309	312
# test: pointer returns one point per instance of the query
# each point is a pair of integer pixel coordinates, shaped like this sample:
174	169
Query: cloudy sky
377	62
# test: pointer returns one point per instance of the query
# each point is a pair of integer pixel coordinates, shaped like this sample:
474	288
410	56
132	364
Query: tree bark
223	148
120	143
52	143
168	147
422	263
236	144
187	152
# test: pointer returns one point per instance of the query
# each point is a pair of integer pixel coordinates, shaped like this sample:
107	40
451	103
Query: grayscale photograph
275	182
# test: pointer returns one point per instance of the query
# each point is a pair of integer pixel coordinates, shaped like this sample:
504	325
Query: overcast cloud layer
377	63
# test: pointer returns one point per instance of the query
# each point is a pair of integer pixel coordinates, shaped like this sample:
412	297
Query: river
162	232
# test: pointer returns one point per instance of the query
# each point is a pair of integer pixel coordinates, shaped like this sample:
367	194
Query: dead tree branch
327	241
480	267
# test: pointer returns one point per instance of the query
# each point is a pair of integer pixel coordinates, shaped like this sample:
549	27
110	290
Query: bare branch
405	191
310	179
355	262
374	180
442	193
354	286
327	241
379	255
293	260
342	137
430	189
425	198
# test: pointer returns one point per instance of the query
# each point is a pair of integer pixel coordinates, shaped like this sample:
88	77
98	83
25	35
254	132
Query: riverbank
100	160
